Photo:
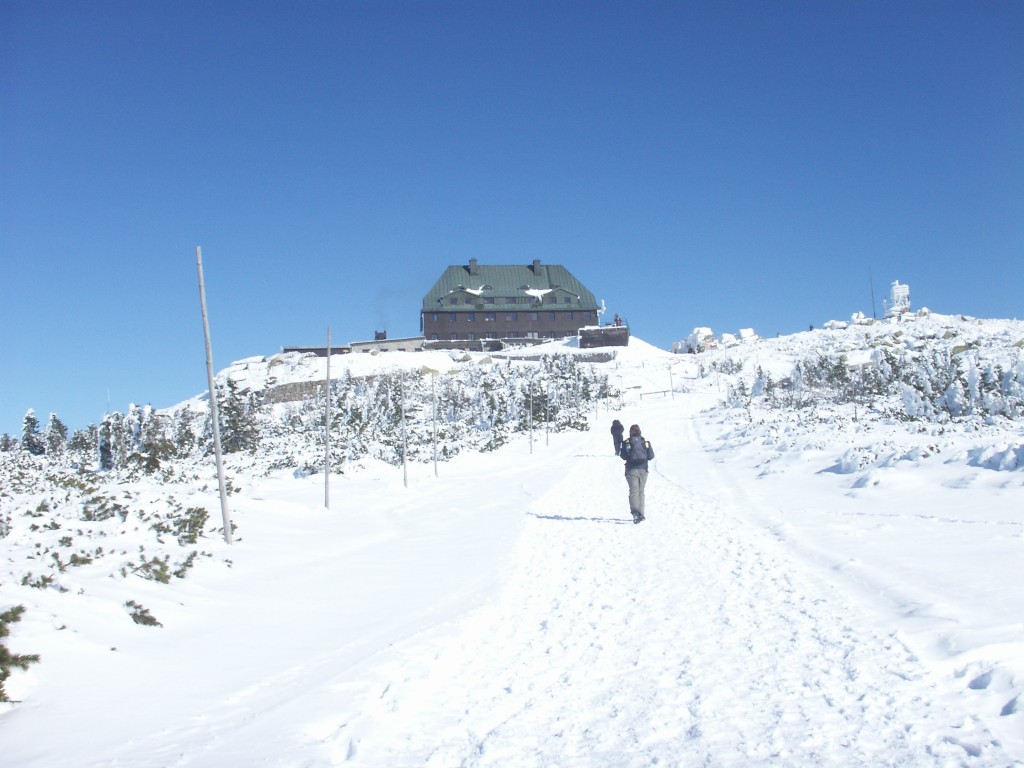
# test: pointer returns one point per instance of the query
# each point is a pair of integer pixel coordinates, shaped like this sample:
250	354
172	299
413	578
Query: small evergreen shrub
141	615
8	660
40	582
189	527
154	569
189	561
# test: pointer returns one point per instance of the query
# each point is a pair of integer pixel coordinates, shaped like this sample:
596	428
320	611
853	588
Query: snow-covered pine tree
239	430
183	433
31	440
105	446
82	445
155	443
55	436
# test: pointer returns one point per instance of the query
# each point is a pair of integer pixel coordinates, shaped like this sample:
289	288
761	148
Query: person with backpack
617	430
636	452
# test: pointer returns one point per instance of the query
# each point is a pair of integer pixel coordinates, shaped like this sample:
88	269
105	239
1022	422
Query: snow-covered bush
932	384
8	660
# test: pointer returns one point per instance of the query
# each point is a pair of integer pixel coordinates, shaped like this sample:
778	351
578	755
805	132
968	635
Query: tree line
940	385
381	416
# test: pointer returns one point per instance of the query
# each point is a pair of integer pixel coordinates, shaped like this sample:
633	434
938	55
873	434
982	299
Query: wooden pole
213	404
530	414
327	429
547	415
405	466
433	408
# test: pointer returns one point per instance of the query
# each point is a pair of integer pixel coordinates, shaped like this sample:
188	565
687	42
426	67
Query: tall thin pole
547	415
530	415
871	280
327	429
405	466
433	408
213	403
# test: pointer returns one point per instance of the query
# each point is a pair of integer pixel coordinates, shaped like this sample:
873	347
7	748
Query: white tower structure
899	299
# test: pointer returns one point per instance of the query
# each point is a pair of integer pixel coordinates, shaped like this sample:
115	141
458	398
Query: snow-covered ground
822	593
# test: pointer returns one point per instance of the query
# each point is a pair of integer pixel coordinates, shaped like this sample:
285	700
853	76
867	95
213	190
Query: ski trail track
690	639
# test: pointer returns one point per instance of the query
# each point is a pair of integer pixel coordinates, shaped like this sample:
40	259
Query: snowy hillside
828	573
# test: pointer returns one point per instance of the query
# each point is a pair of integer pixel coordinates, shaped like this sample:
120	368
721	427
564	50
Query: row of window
469	301
510	317
509	335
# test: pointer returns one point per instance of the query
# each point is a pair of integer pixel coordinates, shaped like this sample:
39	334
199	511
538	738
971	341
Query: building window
454	301
433	337
471	336
433	317
551	315
567	299
534	316
491	335
453	337
510	300
490	317
569	315
513	334
511	317
470	317
452	317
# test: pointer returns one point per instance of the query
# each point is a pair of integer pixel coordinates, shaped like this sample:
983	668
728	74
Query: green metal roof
506	281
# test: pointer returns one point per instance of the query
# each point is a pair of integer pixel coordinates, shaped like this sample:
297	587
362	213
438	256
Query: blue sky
722	164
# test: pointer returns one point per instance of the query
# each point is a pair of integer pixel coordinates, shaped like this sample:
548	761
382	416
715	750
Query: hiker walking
636	452
617	430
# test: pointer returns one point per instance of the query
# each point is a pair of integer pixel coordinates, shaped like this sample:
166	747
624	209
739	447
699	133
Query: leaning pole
215	419
327	428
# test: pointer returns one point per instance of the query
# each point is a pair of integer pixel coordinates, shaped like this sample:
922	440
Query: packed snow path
690	639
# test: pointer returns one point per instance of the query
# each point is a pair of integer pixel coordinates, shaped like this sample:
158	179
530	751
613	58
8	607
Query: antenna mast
872	282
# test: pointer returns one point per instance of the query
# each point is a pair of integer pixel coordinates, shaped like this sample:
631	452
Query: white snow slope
771	611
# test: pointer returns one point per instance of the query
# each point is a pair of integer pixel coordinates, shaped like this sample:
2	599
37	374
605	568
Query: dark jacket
631	463
617	430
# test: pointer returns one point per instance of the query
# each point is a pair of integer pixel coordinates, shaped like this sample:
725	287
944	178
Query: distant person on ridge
617	430
636	452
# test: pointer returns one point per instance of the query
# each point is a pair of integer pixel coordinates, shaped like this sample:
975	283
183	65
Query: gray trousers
636	479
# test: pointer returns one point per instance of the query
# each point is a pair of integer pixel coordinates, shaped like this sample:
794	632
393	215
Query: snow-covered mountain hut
479	305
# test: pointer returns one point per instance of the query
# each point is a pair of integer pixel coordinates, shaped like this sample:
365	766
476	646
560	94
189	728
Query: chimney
380	335
472	266
536	265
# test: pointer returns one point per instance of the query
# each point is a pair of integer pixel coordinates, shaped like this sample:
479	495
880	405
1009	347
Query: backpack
637	450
